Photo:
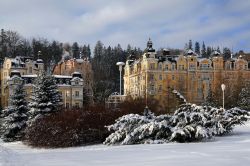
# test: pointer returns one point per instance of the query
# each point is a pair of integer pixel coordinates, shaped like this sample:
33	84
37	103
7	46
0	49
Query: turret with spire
150	46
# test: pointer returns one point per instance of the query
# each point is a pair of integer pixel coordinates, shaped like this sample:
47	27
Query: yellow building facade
24	65
156	76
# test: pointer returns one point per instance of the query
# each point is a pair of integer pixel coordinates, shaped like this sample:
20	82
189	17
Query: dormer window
173	67
166	67
160	77
160	67
152	66
76	82
30	70
76	93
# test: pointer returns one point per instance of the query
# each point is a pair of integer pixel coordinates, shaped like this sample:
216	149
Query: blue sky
169	23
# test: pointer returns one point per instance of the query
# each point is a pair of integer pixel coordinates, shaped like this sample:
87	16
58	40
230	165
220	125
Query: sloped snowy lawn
230	150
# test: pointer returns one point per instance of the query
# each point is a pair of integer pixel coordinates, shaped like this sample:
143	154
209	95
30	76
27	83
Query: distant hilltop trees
206	51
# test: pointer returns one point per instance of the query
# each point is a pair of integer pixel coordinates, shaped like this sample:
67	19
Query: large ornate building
67	66
73	77
157	75
24	65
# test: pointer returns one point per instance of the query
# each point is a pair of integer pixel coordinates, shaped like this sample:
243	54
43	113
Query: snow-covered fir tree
45	98
15	116
86	97
244	98
190	45
210	99
197	48
203	50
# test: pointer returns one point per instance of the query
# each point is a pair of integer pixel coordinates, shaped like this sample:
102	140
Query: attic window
77	82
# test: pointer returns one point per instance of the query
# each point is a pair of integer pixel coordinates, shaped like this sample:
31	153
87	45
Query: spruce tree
45	98
15	116
226	53
197	48
203	50
76	50
209	52
210	98
190	45
218	49
244	98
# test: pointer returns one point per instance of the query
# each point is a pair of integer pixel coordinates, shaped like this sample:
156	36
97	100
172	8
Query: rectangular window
181	67
172	77
152	66
160	77
160	67
30	70
152	88
76	93
173	67
160	88
151	77
77	105
67	105
191	66
67	94
166	67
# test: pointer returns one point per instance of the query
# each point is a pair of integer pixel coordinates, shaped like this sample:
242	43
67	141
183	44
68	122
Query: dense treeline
207	51
106	73
12	44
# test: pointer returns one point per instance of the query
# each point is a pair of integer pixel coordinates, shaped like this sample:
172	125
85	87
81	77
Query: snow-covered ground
232	150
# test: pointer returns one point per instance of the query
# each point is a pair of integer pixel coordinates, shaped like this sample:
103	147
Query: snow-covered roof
76	72
15	71
39	61
79	60
62	76
63	85
190	51
203	59
15	77
31	75
77	78
216	53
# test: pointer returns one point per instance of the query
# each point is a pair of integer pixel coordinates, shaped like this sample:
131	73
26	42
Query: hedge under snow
189	123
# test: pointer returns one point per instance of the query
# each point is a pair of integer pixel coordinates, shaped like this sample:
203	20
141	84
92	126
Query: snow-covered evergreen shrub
224	121
45	97
189	123
15	116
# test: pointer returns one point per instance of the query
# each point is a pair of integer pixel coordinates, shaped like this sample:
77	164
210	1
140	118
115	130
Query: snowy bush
189	123
15	116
